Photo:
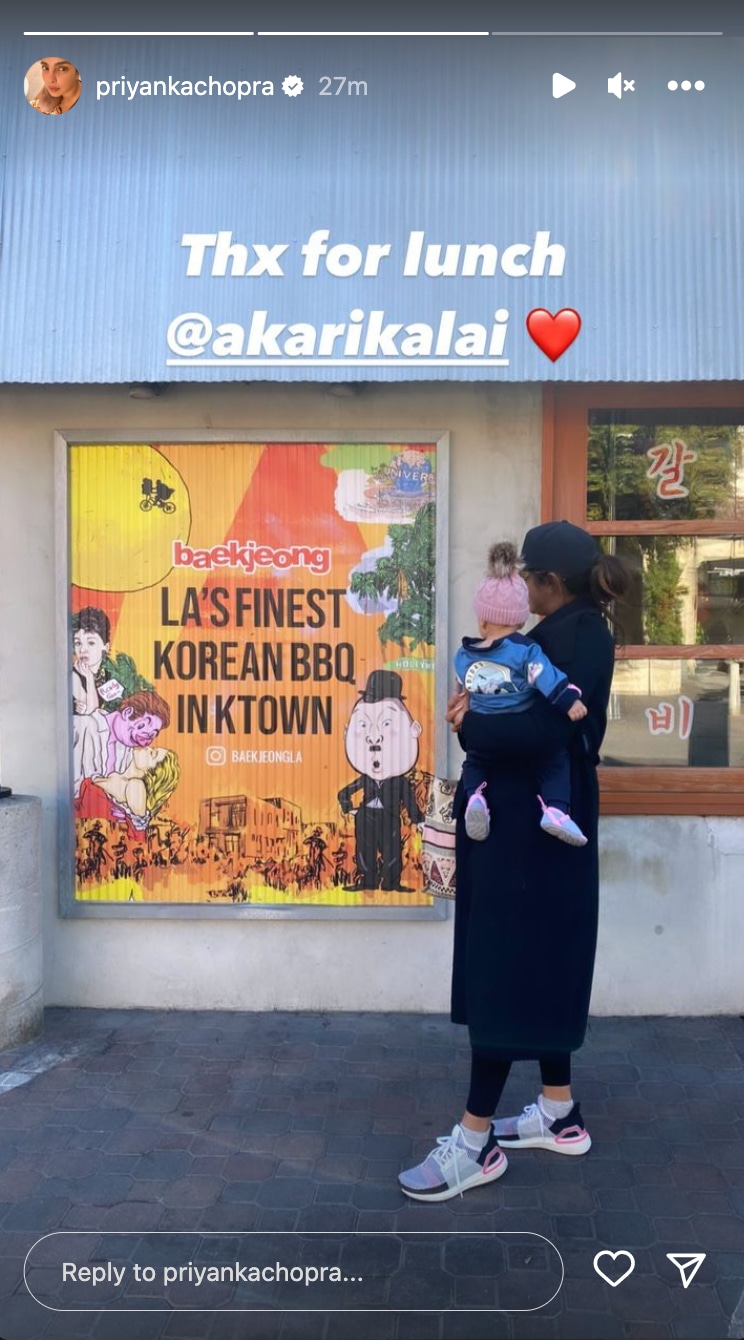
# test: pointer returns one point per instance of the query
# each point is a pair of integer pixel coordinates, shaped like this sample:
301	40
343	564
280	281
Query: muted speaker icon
618	85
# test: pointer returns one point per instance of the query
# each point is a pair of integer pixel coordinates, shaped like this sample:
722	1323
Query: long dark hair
608	580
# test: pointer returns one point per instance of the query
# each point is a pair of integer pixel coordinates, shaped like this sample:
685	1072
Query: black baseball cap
560	547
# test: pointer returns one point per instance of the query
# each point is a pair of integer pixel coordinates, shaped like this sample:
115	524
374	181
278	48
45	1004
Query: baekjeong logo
249	555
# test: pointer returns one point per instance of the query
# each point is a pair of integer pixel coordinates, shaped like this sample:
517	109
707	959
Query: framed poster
249	663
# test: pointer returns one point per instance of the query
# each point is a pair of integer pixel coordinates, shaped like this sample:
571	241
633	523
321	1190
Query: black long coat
527	904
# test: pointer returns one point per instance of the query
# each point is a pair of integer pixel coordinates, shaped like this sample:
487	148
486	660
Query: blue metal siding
460	138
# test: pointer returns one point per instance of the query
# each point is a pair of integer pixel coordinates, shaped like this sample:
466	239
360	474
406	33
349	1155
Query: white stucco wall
672	904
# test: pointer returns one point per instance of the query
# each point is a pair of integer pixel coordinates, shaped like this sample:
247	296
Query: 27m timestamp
335	85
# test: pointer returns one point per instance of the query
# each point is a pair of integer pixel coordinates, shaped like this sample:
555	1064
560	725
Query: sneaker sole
478	825
571	1147
563	836
478	1179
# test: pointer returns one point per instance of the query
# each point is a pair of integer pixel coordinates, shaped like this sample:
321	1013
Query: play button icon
562	85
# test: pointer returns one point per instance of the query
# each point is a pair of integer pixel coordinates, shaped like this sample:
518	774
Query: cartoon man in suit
382	743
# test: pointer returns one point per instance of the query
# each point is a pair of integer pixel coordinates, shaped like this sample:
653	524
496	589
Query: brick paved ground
227	1123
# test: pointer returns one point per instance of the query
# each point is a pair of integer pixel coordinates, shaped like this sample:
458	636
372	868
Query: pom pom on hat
502	597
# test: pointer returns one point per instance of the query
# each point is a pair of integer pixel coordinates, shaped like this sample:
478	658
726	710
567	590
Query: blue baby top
506	676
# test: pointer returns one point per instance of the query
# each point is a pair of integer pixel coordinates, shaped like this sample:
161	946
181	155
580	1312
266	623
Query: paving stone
534	1327
377	1196
286	1192
333	1193
378	1327
277	1220
566	1198
720	1232
302	1327
248	1168
86	1217
162	1164
643	1297
650	1174
23	1319
520	1198
596	1325
192	1191
209	1144
709	1202
606	1173
621	1198
17	1182
379	1221
237	1190
667	1201
339	1169
223	1217
677	1232
574	1226
646	1330
343	1147
643	1151
383	1170
130	1326
98	1189
698	1328
131	1216
37	1215
308	1122
526	1171
68	1326
293	1168
558	1169
621	1230
317	1218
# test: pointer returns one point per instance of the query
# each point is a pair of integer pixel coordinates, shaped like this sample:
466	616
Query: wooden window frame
637	790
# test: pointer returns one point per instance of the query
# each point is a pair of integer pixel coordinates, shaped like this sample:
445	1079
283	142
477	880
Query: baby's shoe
559	824
477	817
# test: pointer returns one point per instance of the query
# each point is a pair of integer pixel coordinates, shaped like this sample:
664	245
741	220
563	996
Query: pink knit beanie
502	597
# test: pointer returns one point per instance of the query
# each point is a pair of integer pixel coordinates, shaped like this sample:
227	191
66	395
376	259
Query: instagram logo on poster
215	755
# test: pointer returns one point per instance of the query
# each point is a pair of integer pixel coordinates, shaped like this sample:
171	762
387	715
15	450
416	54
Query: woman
135	794
62	87
526	909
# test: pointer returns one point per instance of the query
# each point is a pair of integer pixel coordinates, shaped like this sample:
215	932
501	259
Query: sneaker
477	817
534	1130
559	824
452	1168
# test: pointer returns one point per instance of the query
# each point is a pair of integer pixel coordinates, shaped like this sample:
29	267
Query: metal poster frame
69	905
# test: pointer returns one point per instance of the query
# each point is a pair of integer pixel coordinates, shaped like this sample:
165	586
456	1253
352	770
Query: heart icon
613	1257
553	334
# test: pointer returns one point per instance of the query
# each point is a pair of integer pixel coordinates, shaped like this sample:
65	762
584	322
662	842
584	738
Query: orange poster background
279	495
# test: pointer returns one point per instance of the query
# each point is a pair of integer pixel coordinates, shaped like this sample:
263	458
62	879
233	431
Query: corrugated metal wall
460	138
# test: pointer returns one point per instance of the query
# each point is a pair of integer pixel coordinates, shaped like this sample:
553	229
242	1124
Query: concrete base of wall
21	997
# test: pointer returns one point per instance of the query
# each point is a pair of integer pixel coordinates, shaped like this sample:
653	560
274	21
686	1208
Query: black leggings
488	1077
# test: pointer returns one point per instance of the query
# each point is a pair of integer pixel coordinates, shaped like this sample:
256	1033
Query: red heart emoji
553	334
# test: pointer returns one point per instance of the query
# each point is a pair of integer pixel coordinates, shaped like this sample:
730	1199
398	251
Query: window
657	474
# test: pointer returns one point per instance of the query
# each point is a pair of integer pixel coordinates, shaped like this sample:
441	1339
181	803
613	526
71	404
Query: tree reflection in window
620	487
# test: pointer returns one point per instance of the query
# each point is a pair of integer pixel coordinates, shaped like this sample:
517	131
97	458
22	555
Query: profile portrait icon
52	85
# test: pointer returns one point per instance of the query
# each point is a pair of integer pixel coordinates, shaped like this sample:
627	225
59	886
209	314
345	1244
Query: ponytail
608	580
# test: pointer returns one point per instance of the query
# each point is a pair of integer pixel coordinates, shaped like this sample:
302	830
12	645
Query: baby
503	672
